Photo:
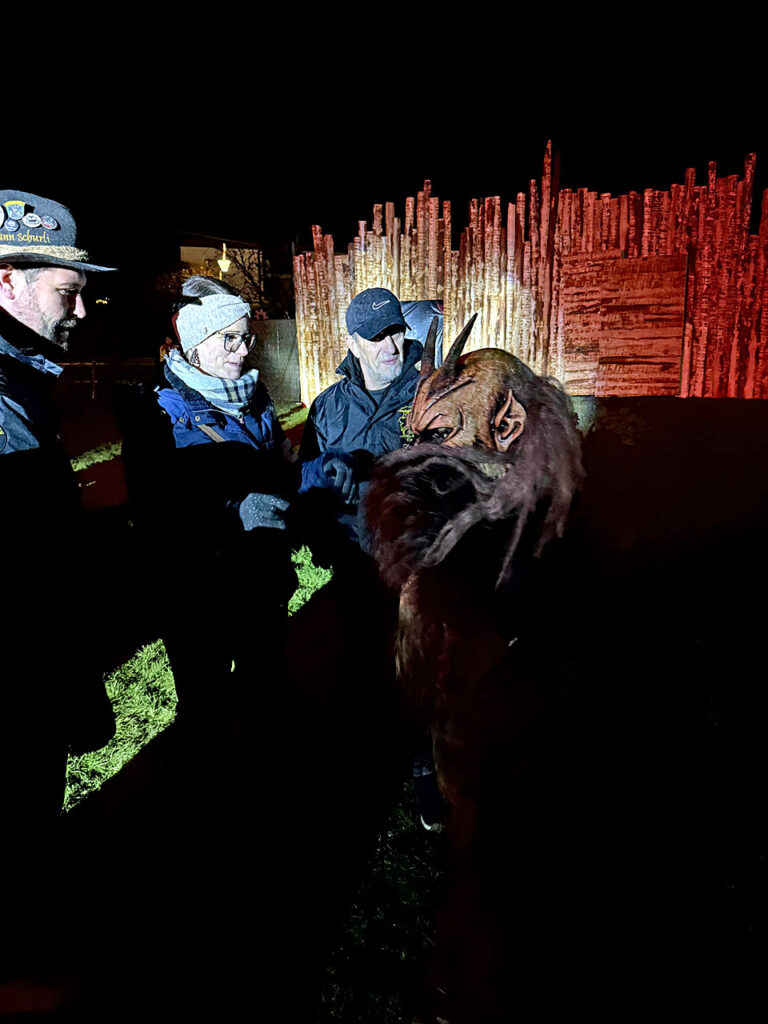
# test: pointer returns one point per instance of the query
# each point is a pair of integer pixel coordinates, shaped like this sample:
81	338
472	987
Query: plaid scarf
232	397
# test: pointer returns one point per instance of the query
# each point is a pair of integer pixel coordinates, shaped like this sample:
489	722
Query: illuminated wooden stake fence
663	292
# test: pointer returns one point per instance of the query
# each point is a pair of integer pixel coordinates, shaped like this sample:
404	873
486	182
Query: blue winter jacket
189	411
217	477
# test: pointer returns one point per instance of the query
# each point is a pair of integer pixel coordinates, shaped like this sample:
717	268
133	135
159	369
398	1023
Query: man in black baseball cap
52	697
360	417
363	414
376	336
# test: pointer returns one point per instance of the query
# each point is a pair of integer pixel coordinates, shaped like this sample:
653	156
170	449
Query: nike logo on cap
378	305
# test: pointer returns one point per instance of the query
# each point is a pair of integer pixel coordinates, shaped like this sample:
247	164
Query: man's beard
58	333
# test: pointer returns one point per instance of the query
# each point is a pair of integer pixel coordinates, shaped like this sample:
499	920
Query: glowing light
224	262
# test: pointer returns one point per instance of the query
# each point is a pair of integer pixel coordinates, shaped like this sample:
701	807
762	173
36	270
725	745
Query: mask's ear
509	423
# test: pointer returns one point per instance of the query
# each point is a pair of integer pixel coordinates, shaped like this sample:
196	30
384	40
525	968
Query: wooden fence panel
511	266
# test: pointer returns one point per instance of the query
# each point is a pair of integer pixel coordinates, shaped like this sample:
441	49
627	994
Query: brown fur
457	530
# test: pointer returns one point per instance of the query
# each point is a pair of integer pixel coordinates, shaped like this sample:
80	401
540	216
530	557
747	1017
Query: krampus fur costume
461	522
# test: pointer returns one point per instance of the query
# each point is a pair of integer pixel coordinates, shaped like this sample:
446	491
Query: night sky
134	182
142	173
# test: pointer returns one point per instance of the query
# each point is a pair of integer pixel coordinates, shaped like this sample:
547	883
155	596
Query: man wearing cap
363	415
358	418
51	695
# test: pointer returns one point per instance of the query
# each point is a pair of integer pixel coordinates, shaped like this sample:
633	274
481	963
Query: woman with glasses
224	488
212	327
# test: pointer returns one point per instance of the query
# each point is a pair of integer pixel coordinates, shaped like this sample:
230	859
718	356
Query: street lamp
224	262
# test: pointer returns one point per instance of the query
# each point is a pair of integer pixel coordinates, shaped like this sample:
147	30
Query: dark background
160	164
272	146
132	200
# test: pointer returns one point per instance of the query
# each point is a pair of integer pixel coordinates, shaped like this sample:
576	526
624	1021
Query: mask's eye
436	436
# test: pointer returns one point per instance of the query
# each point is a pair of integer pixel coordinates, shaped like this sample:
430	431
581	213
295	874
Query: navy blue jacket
202	484
188	410
344	418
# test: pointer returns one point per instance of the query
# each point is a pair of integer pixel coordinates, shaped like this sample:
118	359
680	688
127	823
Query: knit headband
198	319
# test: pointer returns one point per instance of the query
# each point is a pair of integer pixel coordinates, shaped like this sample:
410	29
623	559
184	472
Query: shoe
429	799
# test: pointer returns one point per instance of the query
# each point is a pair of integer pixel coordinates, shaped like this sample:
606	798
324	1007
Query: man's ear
7	286
352	345
509	423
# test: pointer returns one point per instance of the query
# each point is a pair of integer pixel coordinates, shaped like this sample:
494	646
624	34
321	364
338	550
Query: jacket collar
192	399
26	347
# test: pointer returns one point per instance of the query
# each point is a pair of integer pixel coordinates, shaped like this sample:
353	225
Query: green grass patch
310	576
144	700
292	416
102	453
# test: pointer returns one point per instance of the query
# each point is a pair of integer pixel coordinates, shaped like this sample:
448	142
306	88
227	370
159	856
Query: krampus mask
493	444
468	401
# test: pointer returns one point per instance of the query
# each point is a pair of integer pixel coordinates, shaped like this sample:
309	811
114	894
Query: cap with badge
39	231
373	311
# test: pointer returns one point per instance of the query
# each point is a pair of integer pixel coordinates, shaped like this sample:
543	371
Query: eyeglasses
232	342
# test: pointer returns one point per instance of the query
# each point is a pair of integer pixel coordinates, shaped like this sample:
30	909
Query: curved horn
428	357
449	363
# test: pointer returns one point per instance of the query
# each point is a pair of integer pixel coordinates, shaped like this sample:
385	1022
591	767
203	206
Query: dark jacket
188	485
27	416
188	410
207	479
39	491
50	678
344	420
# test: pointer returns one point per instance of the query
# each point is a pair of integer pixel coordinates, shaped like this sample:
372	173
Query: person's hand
263	511
344	482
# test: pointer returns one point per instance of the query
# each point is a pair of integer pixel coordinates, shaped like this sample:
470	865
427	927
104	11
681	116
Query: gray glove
262	510
344	480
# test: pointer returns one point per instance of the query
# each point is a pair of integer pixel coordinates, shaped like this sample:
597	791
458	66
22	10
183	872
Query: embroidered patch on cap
3	439
15	208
